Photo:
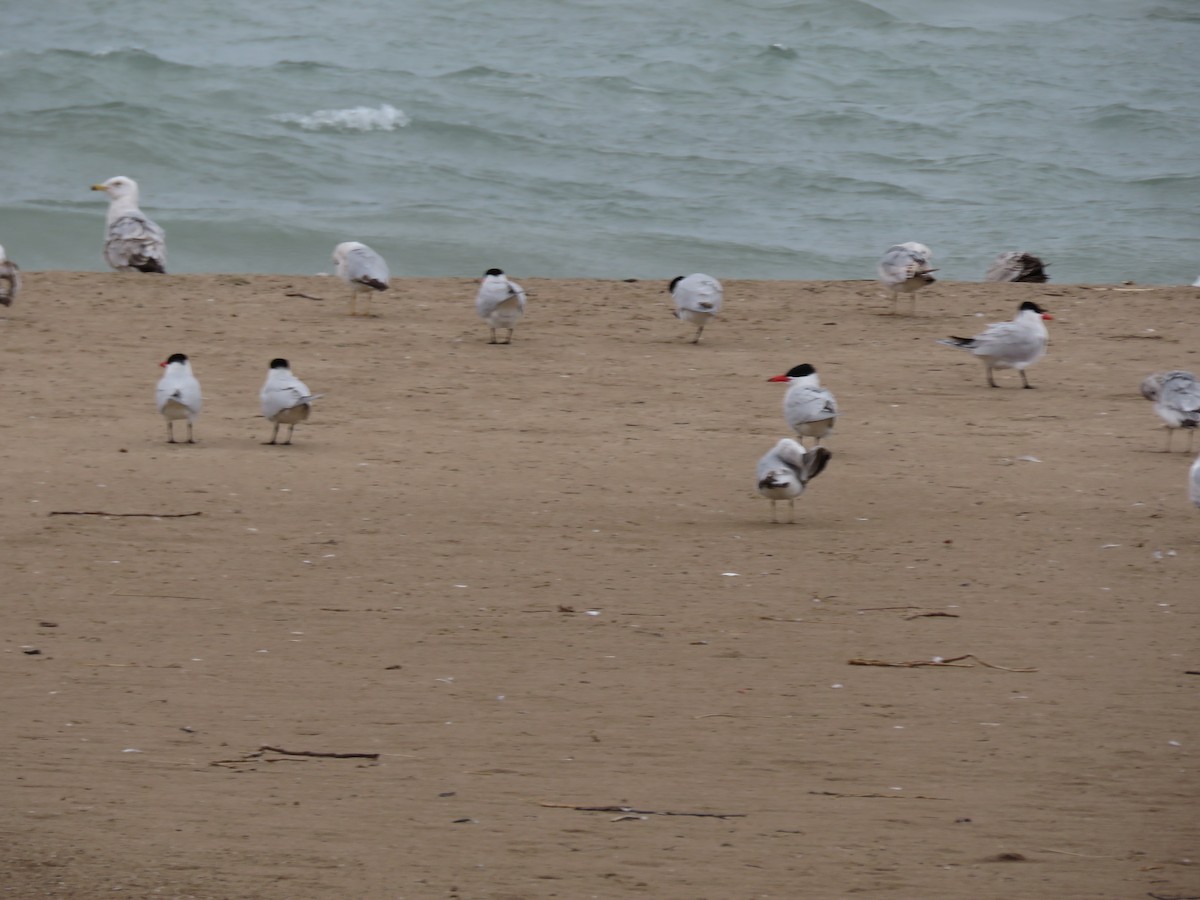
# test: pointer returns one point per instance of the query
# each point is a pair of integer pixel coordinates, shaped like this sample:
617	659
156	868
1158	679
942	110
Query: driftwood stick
72	512
953	662
930	615
305	296
875	796
644	812
280	750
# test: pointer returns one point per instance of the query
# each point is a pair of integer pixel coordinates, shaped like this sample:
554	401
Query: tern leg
699	331
1191	437
791	511
1025	381
493	340
991	380
773	518
190	441
170	431
274	433
291	428
508	340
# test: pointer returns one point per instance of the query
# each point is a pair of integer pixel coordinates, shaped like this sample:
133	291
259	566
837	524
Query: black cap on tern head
1030	305
278	363
801	370
674	281
176	357
494	272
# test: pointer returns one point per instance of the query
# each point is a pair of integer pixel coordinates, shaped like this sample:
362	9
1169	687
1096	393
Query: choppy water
610	138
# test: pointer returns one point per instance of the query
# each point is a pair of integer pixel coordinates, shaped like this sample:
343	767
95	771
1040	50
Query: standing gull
10	279
361	268
177	395
1017	265
285	399
1176	397
809	409
786	469
500	303
697	299
132	241
1009	345
905	269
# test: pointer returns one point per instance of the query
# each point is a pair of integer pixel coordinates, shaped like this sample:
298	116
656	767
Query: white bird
361	268
500	303
809	409
1009	345
10	279
177	395
698	299
904	269
1017	265
1194	482
132	241
786	469
1176	397
286	400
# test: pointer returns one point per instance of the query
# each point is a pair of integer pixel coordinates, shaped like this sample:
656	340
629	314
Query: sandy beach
512	622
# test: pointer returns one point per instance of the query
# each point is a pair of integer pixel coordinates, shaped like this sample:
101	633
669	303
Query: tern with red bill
286	400
785	471
500	302
809	409
698	299
177	395
1009	345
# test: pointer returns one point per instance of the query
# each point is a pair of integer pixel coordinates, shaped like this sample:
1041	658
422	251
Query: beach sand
534	579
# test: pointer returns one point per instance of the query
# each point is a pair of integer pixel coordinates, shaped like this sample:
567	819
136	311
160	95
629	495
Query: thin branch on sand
644	812
953	662
72	512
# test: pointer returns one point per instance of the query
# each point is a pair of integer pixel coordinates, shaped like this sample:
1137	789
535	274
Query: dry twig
72	512
643	812
953	662
931	615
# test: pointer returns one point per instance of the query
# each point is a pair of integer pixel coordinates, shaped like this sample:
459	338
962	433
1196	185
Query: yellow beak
99	187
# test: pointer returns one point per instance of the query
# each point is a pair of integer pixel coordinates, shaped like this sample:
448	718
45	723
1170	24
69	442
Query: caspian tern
10	280
286	400
177	395
698	299
1017	265
905	269
809	409
786	469
132	241
1009	345
500	303
1176	397
361	268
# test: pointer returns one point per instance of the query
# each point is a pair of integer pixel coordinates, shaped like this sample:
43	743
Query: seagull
698	299
1194	482
786	469
1176	397
809	409
1017	265
132	241
286	399
10	279
904	269
500	303
177	395
1009	345
361	268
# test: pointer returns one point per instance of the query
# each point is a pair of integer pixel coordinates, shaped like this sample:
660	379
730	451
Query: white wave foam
357	118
